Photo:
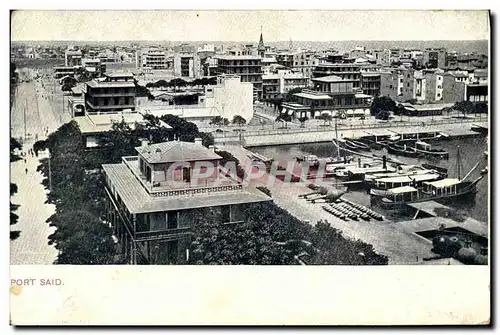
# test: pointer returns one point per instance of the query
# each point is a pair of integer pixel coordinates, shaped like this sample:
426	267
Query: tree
13	216
228	157
382	103
14	145
239	120
81	239
284	117
66	87
217	120
383	115
303	120
466	107
289	94
326	117
207	139
181	129
271	235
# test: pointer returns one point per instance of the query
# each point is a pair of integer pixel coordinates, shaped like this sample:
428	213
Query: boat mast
337	138
459	163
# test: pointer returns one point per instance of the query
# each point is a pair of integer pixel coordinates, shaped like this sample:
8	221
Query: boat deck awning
403	189
402	179
444	182
379	132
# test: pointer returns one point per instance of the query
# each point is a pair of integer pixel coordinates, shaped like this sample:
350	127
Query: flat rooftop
433	223
313	96
138	200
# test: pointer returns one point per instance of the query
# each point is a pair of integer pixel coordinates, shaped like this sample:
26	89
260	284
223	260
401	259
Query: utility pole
26	106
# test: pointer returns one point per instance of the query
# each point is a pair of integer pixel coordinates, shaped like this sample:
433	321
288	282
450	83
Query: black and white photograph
218	137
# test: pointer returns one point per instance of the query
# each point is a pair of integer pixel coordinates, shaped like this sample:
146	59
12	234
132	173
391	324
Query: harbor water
471	151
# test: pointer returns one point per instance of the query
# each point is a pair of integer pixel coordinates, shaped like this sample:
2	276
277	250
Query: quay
399	241
449	128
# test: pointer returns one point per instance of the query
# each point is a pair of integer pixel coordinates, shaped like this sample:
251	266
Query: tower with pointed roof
261	49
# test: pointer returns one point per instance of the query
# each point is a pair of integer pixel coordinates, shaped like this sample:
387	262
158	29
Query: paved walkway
31	246
34	110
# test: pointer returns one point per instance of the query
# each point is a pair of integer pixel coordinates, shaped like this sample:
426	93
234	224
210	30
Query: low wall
327	134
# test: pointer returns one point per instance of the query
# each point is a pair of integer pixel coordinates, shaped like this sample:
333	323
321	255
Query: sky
279	25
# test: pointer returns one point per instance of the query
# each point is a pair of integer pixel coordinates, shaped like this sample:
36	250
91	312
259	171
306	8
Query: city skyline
243	26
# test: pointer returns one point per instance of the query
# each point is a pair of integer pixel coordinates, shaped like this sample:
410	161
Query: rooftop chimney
144	143
198	141
158	153
212	147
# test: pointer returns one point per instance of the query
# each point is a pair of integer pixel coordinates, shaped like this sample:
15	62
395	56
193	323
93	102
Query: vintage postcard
253	167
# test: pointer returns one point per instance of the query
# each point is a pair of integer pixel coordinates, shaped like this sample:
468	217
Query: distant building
331	95
477	92
230	97
302	61
187	62
94	67
398	84
382	57
152	199
113	94
434	58
249	68
151	58
281	82
73	56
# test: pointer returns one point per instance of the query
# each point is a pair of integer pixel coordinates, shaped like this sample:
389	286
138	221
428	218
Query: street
31	246
32	112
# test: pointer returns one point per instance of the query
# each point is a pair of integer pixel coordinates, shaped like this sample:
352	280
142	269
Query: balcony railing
167	234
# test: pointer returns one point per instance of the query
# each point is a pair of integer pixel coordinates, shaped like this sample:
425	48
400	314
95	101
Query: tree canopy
239	120
81	238
272	236
382	103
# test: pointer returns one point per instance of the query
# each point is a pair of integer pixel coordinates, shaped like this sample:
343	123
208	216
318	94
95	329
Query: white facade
230	97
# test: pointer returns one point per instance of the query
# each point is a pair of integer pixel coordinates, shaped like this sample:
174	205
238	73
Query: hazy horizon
244	26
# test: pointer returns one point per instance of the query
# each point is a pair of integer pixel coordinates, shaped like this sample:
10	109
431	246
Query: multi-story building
477	92
332	95
249	68
370	83
382	57
94	66
434	58
346	71
438	87
154	199
113	94
397	84
73	56
187	62
152	58
301	61
228	98
358	52
281	82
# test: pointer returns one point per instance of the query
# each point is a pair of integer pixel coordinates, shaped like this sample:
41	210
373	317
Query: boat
380	186
479	129
402	170
447	188
357	145
426	150
401	150
437	168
